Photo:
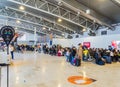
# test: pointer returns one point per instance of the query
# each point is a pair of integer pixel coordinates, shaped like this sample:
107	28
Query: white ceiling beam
40	18
47	12
85	15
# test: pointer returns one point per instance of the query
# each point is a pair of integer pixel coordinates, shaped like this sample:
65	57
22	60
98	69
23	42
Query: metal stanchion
0	76
7	68
7	75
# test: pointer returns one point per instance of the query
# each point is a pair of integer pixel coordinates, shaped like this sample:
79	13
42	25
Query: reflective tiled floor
40	70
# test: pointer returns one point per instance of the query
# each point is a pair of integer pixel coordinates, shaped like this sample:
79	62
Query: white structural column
35	36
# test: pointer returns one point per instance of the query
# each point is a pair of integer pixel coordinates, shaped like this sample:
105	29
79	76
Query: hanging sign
7	33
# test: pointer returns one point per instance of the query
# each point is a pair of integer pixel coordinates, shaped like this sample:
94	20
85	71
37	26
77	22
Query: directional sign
7	33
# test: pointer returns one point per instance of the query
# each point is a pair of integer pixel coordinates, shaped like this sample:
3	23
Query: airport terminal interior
59	43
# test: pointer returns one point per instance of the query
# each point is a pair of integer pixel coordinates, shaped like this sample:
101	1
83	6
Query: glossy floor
40	70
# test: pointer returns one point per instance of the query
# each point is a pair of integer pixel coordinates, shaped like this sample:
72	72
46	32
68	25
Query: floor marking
80	80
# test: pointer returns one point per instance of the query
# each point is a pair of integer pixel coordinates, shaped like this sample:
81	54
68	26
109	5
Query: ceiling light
60	3
84	30
63	34
22	8
44	28
59	20
78	13
94	20
88	11
18	21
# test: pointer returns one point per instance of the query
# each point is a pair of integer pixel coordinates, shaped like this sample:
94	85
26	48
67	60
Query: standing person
12	51
39	48
79	55
80	51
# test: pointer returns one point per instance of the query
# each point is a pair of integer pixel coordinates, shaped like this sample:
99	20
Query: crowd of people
53	50
70	53
73	55
22	48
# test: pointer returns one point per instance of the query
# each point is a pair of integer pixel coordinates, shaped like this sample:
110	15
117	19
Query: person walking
12	51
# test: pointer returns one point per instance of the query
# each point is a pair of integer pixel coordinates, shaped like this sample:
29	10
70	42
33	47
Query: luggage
78	62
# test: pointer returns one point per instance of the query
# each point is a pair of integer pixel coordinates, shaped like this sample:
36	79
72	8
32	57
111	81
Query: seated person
59	52
85	54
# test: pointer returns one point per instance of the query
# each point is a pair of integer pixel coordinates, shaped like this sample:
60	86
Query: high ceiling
107	8
43	15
